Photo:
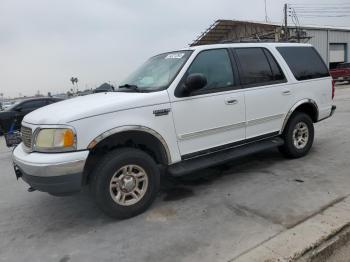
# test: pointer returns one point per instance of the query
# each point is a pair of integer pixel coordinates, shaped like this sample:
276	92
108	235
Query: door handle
231	101
286	92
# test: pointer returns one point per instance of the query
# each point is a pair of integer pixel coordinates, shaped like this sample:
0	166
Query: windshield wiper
133	87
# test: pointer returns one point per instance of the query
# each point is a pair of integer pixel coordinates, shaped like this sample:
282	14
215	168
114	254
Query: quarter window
304	62
216	66
276	69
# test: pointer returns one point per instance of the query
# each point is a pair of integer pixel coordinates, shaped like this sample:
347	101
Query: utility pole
265	13
286	22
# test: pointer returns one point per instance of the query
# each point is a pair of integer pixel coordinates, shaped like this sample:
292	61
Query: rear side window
258	67
51	101
34	104
304	62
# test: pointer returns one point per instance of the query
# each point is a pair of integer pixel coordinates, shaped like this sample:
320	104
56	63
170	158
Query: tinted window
216	66
255	68
304	62
50	101
344	65
276	69
33	104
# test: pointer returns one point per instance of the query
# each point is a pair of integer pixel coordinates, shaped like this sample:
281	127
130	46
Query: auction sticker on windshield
175	56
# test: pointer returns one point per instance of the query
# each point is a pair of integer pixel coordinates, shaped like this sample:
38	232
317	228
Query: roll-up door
337	53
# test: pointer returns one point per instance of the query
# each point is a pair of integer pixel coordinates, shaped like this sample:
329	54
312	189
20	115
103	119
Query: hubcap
128	185
300	135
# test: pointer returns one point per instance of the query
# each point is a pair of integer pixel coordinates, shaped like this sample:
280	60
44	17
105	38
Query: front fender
121	129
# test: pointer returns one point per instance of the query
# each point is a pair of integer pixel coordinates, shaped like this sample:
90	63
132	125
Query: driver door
212	118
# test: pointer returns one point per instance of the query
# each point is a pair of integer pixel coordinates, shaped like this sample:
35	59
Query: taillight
333	88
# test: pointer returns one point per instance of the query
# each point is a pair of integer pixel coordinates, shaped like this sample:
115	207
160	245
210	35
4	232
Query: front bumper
59	173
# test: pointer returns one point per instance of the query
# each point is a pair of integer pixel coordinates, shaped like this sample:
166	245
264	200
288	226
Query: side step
194	164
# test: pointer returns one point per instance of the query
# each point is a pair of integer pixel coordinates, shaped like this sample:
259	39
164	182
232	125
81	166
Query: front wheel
125	183
298	136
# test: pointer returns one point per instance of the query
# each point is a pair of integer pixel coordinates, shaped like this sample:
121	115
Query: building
331	42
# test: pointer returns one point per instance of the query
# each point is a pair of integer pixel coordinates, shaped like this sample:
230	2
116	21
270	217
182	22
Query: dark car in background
11	118
104	88
341	72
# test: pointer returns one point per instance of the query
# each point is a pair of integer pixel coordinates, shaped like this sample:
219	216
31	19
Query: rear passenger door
267	97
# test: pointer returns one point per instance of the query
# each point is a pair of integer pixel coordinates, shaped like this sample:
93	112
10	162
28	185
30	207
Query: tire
118	174
298	136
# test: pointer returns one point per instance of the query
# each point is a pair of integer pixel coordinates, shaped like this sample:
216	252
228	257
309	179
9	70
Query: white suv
181	111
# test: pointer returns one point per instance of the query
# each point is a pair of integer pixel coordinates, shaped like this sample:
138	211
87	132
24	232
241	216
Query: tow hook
31	189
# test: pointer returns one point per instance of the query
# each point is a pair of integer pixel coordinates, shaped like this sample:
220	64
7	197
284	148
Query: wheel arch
307	106
140	137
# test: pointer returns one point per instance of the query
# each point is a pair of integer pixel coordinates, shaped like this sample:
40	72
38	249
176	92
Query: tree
74	80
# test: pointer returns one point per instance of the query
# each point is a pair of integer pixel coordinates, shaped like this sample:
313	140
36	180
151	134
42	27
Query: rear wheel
298	136
125	183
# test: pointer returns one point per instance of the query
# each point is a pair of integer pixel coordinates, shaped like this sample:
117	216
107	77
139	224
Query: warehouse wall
319	40
322	38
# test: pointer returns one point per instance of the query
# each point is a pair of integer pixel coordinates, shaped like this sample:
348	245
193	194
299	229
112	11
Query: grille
26	134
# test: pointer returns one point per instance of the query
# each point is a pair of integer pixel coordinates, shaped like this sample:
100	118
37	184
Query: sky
43	43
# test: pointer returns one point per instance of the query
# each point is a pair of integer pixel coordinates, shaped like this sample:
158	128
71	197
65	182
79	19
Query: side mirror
195	82
18	109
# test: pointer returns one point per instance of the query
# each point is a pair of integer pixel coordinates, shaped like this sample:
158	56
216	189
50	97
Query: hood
91	105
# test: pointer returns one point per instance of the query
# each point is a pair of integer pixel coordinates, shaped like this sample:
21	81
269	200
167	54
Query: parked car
341	72
181	111
7	104
104	88
11	117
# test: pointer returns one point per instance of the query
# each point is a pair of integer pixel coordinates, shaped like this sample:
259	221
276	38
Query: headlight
55	140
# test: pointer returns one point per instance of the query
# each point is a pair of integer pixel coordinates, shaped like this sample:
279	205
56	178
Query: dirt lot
218	215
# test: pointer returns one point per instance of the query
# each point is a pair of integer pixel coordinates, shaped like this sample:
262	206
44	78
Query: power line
328	4
334	16
339	10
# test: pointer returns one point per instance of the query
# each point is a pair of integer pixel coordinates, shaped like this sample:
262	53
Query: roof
24	99
220	29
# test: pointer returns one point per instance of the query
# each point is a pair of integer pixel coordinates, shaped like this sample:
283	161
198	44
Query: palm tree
74	80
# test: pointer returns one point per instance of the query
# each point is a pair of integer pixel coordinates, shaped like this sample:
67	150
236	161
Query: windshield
158	72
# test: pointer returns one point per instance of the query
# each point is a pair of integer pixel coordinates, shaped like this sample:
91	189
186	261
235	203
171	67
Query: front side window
216	66
158	72
255	68
304	62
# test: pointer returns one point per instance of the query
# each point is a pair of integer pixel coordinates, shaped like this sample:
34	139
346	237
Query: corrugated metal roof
220	29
